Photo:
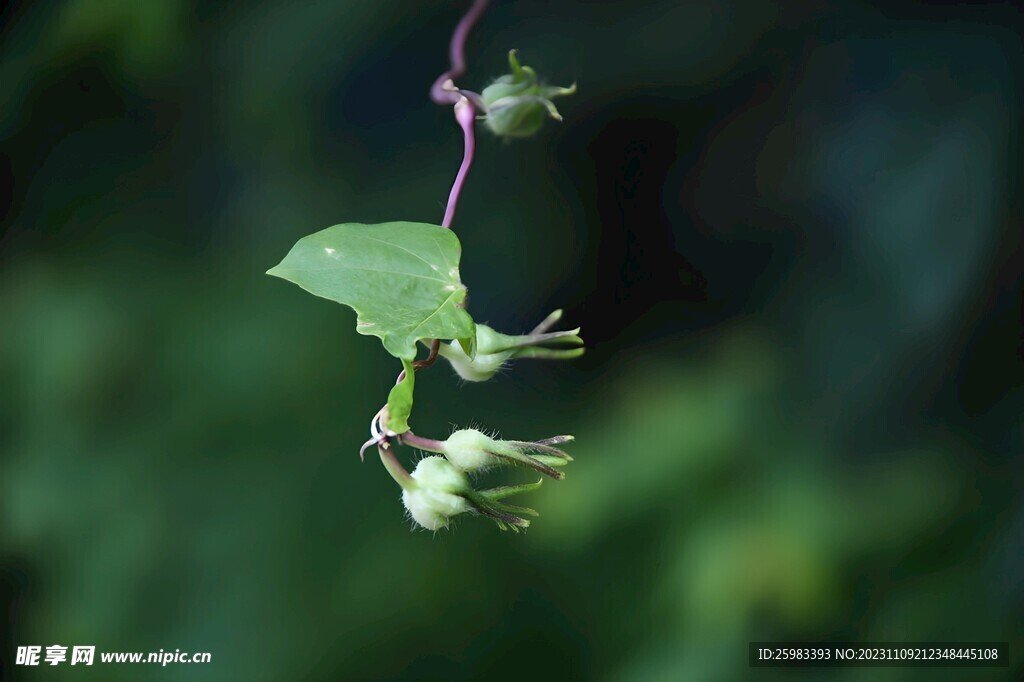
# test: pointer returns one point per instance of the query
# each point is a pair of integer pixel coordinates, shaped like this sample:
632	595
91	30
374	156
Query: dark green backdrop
791	233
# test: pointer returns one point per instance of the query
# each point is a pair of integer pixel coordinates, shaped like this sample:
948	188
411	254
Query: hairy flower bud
516	104
479	367
438	492
467	449
471	450
493	349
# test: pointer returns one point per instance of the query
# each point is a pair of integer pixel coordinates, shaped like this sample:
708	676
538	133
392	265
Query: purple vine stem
443	91
430	444
465	114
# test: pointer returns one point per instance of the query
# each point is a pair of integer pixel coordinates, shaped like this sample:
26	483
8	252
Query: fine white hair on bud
470	450
493	349
437	495
438	489
482	367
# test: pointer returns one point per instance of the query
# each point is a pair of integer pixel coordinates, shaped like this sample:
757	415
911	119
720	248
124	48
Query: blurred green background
790	231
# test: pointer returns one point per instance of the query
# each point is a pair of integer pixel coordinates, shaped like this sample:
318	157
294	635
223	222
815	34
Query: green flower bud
467	449
493	349
480	367
439	491
471	450
516	104
437	495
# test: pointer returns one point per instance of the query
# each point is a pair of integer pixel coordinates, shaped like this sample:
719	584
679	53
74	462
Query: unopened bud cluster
440	488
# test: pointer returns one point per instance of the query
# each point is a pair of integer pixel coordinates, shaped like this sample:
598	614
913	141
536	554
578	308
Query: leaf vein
353	267
402	248
436	311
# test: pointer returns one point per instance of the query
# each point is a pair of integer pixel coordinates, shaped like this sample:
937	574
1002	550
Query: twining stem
431	358
465	114
443	91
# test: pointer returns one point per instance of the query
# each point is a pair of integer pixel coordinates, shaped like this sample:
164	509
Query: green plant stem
395	468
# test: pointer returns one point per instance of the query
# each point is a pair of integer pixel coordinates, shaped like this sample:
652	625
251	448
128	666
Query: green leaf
402	279
400	400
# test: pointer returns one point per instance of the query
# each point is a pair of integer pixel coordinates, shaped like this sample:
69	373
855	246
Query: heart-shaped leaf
402	279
